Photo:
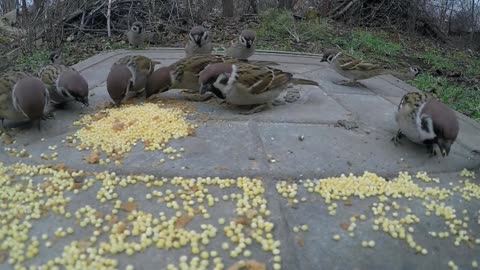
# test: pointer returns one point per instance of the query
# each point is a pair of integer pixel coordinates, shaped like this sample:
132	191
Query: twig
109	11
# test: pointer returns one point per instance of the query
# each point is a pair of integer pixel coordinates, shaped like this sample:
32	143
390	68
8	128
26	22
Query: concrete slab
290	142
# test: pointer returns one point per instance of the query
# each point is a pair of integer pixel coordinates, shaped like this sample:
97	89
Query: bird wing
261	79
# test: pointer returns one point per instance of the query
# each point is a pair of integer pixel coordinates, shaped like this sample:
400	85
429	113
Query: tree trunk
228	8
287	4
253	5
412	18
472	33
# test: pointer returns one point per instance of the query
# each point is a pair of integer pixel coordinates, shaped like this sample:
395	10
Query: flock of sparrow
230	78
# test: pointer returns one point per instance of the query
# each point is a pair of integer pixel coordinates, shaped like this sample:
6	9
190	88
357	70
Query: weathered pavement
268	145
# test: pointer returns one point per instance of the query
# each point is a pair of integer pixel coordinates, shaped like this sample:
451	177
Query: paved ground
229	145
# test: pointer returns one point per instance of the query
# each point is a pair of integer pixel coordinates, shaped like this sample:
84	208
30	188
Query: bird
247	84
56	57
357	69
183	74
136	34
424	119
199	41
23	97
128	75
64	83
244	47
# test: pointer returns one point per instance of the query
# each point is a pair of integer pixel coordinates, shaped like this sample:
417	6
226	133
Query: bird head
137	27
216	78
199	35
247	38
75	85
55	57
444	145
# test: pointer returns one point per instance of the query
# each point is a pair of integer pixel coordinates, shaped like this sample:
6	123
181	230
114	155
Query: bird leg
431	150
396	139
256	109
292	95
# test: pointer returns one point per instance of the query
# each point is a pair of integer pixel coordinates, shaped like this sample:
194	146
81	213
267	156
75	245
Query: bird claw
292	96
396	139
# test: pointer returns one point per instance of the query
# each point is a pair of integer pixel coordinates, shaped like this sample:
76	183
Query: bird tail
299	81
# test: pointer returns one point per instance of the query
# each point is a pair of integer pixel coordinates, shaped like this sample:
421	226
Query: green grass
279	30
462	99
33	61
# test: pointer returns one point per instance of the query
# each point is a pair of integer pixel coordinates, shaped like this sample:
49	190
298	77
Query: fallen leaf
113	220
247	265
118	126
182	221
301	241
344	226
242	220
129	206
347	203
93	158
99	116
121	227
61	167
7	139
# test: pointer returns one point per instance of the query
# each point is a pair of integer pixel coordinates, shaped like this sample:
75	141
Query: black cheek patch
64	93
425	125
224	81
217	92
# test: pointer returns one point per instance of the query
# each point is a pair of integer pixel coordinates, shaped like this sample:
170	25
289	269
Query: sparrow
199	42
129	75
183	74
64	83
22	97
356	69
244	47
56	58
136	34
247	84
423	119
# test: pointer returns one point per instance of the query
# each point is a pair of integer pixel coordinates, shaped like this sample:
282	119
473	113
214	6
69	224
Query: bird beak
249	44
84	101
205	88
198	40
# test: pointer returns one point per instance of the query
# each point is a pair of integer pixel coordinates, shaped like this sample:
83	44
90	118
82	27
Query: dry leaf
118	126
347	203
301	241
93	158
121	227
129	206
99	116
7	139
61	167
113	220
242	220
344	226
182	221
248	265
